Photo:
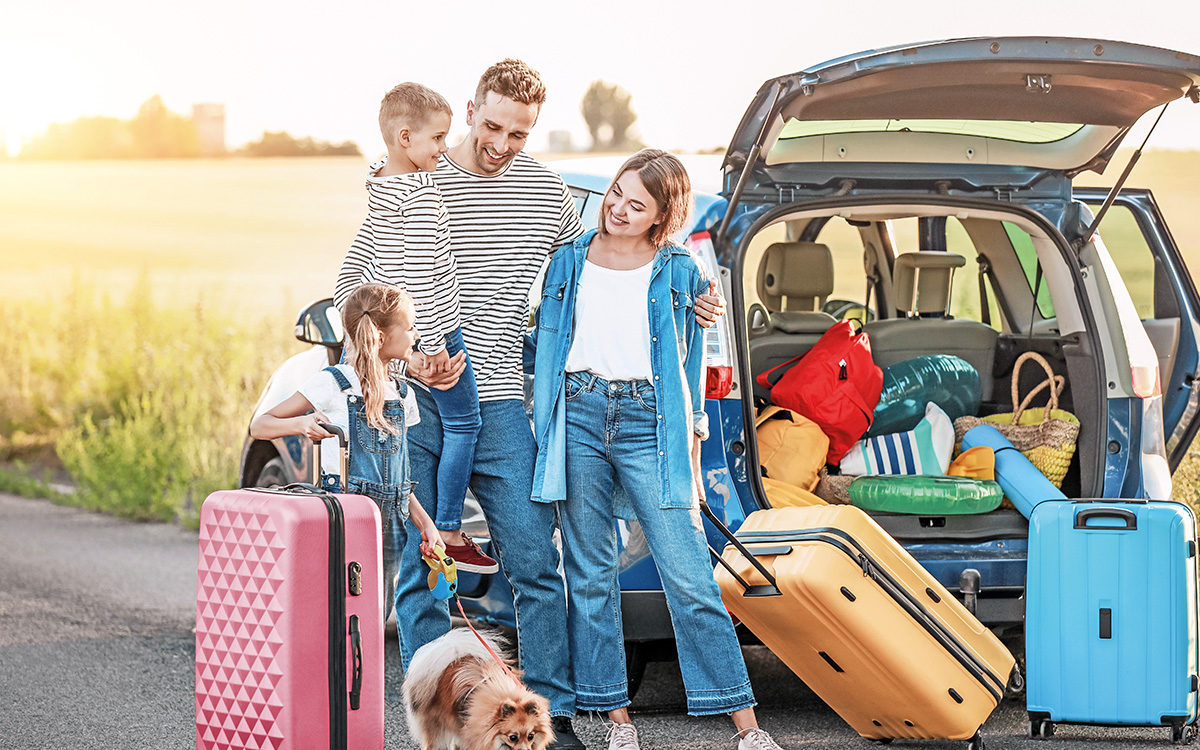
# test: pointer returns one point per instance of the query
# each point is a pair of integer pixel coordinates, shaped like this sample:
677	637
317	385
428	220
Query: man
507	213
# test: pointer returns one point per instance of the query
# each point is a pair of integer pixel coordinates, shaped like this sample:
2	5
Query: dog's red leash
495	656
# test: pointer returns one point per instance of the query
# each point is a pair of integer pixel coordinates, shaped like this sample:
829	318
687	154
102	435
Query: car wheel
272	474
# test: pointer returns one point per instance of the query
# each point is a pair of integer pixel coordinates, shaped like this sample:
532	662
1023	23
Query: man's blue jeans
611	437
522	541
458	409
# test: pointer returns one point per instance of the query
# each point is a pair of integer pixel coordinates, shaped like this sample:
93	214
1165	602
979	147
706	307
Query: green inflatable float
925	494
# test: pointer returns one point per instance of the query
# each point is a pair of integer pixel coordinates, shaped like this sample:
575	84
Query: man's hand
709	306
418	367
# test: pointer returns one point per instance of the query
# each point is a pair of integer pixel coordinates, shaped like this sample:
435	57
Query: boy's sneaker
564	735
469	557
622	737
757	739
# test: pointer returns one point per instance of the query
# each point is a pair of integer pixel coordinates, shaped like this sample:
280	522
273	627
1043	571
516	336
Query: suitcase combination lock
355	576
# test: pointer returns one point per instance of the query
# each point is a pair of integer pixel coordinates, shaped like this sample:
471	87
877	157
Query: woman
619	416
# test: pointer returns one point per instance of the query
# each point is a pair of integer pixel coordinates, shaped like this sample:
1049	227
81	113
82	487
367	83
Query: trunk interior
807	268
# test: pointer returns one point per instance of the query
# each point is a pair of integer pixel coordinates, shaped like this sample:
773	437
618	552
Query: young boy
405	241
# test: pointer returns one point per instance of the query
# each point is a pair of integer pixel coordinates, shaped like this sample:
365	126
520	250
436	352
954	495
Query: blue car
977	149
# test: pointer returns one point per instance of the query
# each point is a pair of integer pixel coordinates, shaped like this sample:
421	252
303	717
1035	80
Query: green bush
145	404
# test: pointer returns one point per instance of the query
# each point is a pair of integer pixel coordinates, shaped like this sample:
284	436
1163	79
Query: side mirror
320	323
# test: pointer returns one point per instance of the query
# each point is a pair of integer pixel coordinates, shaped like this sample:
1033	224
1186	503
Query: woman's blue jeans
458	408
611	437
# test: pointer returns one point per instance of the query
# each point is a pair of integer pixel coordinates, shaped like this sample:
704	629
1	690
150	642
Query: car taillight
719	381
1145	380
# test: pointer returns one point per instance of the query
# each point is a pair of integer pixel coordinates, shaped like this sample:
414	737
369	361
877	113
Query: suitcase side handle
357	657
771	588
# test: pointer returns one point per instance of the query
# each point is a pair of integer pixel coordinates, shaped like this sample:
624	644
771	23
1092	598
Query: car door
1152	267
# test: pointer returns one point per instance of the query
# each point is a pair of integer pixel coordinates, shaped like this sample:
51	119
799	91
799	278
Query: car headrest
796	276
923	280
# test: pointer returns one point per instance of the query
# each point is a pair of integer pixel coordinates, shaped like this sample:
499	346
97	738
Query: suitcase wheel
975	743
881	741
1041	729
1181	735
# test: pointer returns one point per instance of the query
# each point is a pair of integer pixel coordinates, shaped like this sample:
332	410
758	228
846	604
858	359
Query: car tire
272	474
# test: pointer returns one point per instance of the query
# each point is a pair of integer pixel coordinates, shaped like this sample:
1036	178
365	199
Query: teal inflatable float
948	381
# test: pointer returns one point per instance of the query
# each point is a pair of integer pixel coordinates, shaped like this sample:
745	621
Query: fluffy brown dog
457	697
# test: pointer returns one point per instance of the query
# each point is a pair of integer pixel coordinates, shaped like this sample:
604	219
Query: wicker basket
1046	437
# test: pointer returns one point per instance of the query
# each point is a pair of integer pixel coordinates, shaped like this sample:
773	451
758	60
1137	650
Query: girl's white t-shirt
612	323
326	396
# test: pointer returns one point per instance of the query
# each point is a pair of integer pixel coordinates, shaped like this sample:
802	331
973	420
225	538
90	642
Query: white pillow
925	449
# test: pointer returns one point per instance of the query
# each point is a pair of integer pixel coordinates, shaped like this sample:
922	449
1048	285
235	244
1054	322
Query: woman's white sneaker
757	739
622	737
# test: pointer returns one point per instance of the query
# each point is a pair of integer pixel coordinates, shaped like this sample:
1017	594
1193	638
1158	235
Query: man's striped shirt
502	229
405	241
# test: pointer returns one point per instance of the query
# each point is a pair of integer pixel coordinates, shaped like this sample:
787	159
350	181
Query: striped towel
925	449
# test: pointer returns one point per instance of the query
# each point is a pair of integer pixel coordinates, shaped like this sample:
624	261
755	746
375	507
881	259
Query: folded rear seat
922	282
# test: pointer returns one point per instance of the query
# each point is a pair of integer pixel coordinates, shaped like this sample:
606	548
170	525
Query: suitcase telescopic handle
771	589
342	456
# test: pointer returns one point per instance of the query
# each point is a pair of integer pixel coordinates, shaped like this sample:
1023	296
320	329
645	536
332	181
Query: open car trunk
858	228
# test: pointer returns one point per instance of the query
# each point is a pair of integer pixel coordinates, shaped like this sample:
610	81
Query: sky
320	70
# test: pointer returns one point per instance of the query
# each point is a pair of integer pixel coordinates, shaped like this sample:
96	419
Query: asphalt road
97	651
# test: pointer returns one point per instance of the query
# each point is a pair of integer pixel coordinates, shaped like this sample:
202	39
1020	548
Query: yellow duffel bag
784	495
791	448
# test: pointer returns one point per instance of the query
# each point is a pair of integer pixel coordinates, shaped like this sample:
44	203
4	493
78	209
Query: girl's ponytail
370	309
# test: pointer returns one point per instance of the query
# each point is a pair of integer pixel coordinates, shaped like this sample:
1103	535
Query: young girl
374	410
619	416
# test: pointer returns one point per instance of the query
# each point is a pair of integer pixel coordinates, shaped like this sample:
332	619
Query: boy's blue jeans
611	436
522	540
458	408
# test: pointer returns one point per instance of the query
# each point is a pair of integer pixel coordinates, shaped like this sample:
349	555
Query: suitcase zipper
946	638
338	737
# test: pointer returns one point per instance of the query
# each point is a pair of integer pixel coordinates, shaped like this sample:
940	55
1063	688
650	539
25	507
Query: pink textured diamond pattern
237	611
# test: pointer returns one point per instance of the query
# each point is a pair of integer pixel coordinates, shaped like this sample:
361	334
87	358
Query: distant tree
85	138
156	132
160	133
281	143
608	111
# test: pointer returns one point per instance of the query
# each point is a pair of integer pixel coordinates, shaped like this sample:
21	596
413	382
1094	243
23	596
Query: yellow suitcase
863	624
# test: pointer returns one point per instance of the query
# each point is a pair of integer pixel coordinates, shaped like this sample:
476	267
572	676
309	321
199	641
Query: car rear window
1007	130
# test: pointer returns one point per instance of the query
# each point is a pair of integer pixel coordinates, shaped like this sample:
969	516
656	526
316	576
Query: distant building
559	142
209	119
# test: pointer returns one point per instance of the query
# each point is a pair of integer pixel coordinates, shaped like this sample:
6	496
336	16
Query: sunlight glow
42	83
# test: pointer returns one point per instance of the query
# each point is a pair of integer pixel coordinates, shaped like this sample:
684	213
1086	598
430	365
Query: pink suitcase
289	621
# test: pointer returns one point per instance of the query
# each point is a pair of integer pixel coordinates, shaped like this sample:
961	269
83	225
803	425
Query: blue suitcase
1110	616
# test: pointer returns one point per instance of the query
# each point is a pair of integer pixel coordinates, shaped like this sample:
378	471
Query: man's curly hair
513	79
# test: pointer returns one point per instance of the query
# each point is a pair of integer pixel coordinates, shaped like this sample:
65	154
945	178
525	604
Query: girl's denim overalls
378	468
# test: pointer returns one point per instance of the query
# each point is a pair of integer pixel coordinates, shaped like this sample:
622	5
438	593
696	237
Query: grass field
244	234
147	302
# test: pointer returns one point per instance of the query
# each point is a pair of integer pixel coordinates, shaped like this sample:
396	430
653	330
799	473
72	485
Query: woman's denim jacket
675	281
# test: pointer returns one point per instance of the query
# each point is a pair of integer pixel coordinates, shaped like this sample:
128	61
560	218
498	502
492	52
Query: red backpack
835	384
